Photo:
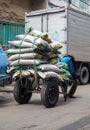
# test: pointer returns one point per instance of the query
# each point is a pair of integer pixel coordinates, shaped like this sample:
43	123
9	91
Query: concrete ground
71	115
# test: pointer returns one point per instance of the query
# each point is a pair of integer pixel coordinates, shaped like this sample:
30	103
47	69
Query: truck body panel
68	26
78	42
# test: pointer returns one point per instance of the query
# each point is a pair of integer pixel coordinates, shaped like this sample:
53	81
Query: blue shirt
68	60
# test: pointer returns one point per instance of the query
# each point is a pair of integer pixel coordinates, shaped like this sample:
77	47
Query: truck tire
49	93
73	88
20	93
84	75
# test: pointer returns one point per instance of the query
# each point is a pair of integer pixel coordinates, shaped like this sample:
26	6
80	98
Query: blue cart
5	79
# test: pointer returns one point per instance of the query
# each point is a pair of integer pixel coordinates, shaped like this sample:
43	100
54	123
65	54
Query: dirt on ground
14	10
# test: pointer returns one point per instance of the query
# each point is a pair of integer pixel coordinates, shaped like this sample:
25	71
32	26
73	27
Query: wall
14	10
38	4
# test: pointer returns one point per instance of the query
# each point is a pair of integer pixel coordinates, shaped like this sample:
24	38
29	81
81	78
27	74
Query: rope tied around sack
20	52
35	68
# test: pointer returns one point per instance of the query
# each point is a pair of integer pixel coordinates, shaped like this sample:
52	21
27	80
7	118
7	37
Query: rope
36	79
20	51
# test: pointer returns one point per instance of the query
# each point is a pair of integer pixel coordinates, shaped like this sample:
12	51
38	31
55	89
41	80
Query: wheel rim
84	74
52	94
23	92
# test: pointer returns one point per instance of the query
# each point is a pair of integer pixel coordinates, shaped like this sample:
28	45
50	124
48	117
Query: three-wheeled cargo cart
49	88
48	83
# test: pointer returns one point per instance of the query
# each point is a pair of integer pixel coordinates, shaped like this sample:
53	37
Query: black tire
50	93
73	88
20	93
84	75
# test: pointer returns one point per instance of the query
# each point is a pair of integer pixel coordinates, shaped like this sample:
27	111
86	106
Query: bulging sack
20	43
39	34
56	45
23	56
22	73
50	74
36	33
19	51
26	62
48	67
32	39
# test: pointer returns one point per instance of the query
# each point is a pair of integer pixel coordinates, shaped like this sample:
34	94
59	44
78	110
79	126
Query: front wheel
50	93
20	92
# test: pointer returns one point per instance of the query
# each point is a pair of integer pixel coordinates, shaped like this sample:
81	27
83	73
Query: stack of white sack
33	50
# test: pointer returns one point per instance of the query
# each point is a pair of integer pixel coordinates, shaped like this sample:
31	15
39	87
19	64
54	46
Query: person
70	61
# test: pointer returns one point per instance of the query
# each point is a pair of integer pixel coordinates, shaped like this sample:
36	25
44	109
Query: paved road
71	115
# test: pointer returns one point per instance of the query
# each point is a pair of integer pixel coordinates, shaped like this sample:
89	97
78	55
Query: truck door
57	24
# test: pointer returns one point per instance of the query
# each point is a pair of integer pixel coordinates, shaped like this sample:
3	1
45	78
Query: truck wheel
20	93
72	90
84	75
50	93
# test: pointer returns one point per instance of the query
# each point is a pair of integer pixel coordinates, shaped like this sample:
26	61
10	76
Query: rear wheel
20	92
84	75
50	93
72	89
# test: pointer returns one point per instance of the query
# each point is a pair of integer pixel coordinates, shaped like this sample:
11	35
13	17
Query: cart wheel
73	88
20	92
50	93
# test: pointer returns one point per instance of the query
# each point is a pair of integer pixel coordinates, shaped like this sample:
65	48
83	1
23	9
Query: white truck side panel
35	22
57	24
44	22
79	35
57	27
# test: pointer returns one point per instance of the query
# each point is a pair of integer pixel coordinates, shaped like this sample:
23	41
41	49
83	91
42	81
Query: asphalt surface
71	115
82	124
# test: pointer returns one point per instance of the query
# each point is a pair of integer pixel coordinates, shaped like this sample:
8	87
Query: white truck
71	28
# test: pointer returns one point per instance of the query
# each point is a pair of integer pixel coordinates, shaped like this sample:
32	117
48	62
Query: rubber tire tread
44	93
17	94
